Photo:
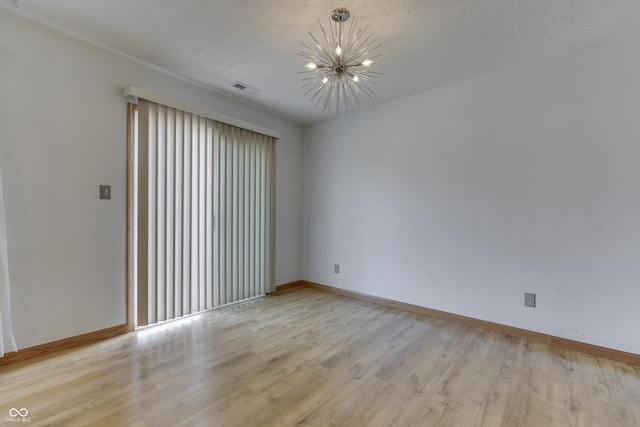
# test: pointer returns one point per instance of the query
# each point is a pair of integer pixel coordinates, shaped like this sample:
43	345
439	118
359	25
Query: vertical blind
204	221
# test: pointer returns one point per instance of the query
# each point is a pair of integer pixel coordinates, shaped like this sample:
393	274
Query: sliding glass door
201	213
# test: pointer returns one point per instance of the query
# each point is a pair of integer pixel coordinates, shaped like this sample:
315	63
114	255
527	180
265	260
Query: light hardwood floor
306	357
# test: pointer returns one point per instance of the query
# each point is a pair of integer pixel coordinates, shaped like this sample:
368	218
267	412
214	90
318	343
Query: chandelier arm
306	85
306	55
353	37
312	86
366	85
312	58
341	96
346	99
354	90
330	41
358	62
361	44
319	49
313	76
371	74
324	96
312	50
322	52
367	91
351	100
317	94
368	48
356	37
351	32
364	47
321	94
331	95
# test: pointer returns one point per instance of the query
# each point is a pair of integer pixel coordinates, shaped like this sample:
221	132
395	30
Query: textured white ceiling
426	43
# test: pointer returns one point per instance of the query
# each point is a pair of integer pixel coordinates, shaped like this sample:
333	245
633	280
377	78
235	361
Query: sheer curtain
7	342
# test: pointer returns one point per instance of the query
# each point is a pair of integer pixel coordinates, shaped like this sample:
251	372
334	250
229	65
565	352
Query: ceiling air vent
245	88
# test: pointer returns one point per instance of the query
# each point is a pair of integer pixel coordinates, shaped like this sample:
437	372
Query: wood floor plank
307	357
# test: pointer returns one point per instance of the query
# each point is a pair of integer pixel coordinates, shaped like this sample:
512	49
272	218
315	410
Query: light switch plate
105	192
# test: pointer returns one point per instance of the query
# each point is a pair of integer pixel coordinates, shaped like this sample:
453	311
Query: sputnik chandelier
337	74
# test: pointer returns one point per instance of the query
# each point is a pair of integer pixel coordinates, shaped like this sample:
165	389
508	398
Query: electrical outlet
336	268
529	300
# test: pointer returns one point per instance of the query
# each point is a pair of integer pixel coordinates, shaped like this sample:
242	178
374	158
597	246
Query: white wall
62	133
463	198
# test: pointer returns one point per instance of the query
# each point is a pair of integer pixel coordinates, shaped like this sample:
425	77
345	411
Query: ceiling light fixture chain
338	74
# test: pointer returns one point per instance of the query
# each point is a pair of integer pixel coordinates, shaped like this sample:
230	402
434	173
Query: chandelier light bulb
338	76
